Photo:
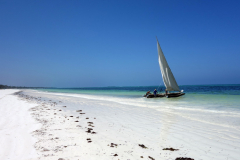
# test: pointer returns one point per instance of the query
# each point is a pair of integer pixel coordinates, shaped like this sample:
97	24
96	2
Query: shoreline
77	128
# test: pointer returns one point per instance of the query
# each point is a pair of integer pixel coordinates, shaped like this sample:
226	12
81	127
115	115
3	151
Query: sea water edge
213	110
215	97
200	101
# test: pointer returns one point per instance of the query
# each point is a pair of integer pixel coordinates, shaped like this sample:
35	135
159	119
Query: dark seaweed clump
184	158
142	145
170	149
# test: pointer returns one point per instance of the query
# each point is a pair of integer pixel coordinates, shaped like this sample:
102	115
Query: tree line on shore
17	87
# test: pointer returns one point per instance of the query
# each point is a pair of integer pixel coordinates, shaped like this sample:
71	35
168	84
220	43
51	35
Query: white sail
168	78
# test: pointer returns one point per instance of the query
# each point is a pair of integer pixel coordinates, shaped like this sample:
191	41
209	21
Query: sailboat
168	78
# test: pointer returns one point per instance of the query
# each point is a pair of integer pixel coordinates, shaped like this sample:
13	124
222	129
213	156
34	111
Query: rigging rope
159	86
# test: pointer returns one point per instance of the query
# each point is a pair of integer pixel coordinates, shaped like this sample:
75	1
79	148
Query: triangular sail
168	78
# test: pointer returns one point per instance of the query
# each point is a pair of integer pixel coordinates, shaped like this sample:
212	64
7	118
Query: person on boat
155	93
148	93
166	92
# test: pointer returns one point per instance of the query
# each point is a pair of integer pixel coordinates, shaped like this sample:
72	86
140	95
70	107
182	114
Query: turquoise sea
210	97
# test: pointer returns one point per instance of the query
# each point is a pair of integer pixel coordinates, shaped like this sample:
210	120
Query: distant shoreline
23	87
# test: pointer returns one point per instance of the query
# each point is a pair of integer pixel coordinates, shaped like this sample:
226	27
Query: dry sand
16	127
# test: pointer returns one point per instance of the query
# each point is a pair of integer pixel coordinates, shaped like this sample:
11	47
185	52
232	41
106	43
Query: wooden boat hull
169	95
152	95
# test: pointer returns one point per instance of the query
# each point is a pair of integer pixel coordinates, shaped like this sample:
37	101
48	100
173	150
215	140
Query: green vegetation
17	87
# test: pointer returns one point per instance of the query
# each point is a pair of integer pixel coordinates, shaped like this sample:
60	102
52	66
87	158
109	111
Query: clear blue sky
112	43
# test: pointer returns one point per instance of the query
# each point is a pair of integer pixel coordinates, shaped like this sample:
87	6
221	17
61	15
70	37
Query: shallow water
202	103
212	97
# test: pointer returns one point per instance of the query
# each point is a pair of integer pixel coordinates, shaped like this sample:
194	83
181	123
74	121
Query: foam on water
200	103
213	98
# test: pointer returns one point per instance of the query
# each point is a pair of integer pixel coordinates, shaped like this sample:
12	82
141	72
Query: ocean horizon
204	89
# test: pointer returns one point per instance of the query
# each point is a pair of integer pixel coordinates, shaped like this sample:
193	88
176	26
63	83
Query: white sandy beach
16	127
38	125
